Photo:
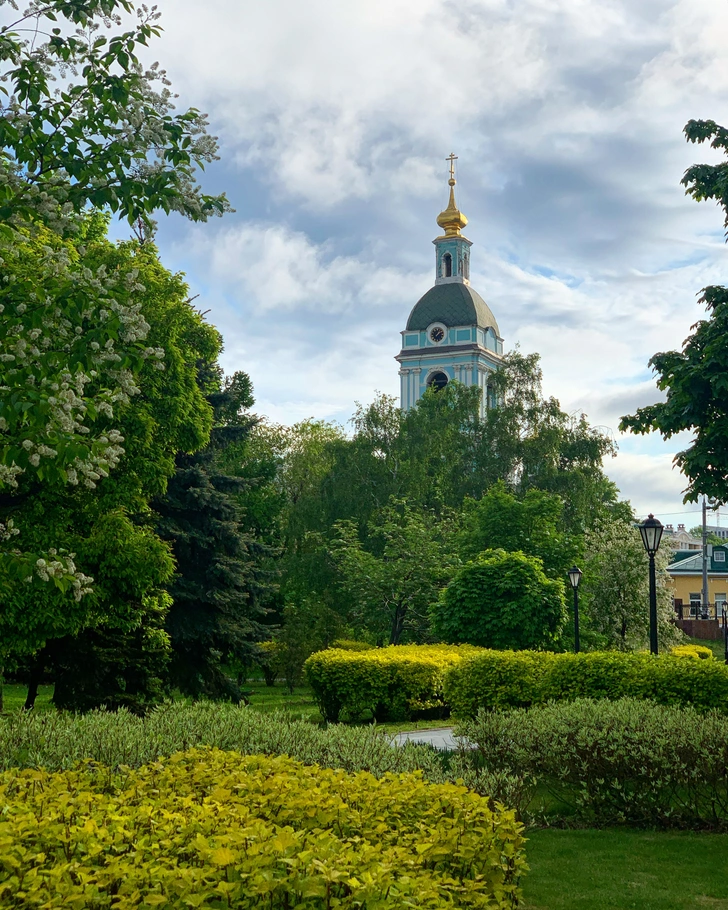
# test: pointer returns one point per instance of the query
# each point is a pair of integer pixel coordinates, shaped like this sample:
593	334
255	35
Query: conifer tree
223	571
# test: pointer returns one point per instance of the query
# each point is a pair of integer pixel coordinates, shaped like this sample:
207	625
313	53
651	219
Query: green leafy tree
299	497
441	451
615	589
501	600
530	443
392	583
695	379
713	539
170	413
533	524
122	659
435	457
85	124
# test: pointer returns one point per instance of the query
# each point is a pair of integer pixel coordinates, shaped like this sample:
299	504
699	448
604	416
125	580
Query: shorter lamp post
651	533
575	578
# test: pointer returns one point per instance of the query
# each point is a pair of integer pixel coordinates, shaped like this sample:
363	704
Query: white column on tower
482	383
415	384
404	389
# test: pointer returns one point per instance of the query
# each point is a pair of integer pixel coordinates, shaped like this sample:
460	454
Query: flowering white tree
83	126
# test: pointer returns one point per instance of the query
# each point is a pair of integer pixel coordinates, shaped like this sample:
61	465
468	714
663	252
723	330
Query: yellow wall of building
685	585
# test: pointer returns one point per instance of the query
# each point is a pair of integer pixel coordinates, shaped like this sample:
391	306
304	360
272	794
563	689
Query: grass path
623	869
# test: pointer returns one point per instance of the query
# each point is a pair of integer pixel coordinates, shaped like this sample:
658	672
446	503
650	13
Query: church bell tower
451	333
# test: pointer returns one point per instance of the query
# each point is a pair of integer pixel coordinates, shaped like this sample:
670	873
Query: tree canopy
170	414
501	600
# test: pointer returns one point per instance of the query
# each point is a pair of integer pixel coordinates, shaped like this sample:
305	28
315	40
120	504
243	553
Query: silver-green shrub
59	741
603	762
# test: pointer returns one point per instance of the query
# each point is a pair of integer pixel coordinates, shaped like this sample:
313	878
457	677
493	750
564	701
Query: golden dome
452	220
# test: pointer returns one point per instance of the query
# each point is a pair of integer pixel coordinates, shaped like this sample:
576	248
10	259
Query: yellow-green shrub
349	644
697	652
218	829
496	679
390	682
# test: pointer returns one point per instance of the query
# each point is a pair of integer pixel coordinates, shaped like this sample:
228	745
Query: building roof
451	304
688	562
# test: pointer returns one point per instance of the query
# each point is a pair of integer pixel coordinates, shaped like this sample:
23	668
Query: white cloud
567	116
273	270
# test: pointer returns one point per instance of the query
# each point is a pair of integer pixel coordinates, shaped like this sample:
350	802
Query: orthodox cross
452	159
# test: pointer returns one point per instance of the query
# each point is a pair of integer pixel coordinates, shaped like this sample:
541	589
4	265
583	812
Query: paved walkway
441	738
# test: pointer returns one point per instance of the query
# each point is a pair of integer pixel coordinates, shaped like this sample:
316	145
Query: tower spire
451	219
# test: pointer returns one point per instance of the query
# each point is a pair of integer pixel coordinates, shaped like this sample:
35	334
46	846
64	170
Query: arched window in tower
490	396
447	266
437	381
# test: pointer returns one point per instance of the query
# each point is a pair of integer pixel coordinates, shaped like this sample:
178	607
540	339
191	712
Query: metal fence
701	611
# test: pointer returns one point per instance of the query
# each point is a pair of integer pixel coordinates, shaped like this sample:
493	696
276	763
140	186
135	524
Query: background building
451	332
681	539
686	571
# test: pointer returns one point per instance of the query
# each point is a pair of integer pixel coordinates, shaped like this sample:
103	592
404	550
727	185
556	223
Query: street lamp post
651	533
575	578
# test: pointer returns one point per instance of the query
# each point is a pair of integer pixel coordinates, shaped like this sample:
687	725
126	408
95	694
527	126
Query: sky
334	122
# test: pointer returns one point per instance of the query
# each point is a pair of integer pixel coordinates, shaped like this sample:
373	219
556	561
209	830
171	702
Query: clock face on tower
437	334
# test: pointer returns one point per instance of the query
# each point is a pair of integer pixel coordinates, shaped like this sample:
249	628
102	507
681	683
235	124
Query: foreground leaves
215	829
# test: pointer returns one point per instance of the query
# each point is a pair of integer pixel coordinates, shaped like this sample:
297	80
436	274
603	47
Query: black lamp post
575	578
651	532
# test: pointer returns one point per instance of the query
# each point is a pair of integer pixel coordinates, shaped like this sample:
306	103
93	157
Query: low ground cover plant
390	683
508	679
214	828
602	762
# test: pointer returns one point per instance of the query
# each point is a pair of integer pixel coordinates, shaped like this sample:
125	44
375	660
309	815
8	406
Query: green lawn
276	698
617	869
14	696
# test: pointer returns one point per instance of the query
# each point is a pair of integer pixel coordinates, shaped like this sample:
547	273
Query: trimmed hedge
602	762
514	679
698	652
392	683
212	828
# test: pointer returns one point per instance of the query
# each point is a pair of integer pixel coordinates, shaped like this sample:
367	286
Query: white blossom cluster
8	530
69	337
59	566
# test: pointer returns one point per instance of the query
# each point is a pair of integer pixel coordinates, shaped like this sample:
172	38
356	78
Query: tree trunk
397	625
36	673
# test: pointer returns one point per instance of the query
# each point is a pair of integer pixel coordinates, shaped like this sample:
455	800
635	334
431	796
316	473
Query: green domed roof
453	303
